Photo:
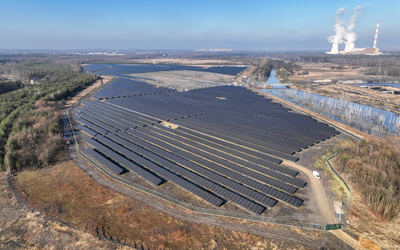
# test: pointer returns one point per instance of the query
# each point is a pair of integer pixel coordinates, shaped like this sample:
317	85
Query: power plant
348	36
350	48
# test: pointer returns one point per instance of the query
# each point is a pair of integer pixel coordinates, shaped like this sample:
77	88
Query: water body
272	77
364	118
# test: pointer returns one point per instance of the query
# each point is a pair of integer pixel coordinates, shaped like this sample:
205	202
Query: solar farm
220	143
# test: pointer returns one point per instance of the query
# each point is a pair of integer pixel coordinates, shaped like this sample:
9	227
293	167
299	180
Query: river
272	78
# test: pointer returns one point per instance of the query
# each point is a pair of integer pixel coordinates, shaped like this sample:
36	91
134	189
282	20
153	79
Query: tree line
6	87
30	116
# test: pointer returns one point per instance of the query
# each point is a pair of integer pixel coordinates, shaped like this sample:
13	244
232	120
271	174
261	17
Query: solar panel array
228	144
120	69
129	88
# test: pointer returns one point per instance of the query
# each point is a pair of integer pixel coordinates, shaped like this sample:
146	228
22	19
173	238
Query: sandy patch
89	89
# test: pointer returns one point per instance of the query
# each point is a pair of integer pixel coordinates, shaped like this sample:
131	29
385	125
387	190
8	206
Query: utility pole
362	71
379	70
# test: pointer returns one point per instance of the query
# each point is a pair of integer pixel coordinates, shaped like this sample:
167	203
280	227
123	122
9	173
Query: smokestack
335	48
376	34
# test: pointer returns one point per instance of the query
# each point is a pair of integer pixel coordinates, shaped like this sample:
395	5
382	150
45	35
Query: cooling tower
335	48
351	47
347	47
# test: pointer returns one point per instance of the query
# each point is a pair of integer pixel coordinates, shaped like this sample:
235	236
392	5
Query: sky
153	24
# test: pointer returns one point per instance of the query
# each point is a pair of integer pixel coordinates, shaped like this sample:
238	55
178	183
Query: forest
374	168
283	70
6	87
30	115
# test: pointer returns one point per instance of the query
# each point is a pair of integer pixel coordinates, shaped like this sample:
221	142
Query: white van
316	174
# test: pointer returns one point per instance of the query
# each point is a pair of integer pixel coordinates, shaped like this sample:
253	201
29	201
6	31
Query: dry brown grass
69	194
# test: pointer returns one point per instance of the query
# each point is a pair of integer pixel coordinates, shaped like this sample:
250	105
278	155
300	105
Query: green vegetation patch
30	116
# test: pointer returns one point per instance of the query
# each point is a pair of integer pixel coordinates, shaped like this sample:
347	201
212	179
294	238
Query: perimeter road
324	205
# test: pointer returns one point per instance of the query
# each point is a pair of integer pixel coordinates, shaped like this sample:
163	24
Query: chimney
376	34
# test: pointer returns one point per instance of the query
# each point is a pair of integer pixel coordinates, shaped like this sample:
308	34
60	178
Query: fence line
343	182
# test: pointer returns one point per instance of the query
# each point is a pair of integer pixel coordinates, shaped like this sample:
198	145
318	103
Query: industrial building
350	48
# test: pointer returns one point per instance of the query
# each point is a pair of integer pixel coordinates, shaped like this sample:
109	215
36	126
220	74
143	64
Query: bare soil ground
246	74
25	226
357	94
89	89
321	71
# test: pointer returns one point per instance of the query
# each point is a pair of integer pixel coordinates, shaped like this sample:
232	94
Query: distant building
33	81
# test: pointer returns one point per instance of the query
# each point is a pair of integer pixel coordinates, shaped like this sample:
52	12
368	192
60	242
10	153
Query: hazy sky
168	24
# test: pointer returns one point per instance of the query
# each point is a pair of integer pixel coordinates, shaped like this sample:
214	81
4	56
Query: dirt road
88	90
325	207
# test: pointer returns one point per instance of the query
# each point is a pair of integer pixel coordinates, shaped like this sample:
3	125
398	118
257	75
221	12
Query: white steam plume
351	36
339	27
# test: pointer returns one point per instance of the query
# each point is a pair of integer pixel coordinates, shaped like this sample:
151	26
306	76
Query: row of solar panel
238	138
206	162
243	180
211	198
195	147
245	153
113	115
217	169
243	202
86	130
102	119
126	163
186	173
122	114
232	171
106	162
